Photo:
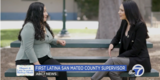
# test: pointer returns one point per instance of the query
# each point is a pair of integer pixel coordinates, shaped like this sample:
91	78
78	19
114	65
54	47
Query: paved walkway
53	24
59	24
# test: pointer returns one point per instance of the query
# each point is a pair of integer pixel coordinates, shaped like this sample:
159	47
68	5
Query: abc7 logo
137	70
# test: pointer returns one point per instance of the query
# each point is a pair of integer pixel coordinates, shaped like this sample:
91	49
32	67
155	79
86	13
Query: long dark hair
132	13
35	16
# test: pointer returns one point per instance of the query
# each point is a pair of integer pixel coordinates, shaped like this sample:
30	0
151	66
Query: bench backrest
83	43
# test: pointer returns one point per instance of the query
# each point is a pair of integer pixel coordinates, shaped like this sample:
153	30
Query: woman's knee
109	62
115	59
112	59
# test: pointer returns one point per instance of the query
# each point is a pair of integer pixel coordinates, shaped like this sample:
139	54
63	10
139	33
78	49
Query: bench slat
153	73
83	43
75	59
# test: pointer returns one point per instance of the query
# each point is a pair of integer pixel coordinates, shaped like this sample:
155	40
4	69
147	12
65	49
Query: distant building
16	9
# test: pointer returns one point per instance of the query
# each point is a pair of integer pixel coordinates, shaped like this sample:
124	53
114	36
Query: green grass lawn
10	35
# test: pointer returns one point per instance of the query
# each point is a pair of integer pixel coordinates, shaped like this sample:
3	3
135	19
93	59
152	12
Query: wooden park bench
84	43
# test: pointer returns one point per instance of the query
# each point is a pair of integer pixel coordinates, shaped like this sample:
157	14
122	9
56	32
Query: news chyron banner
52	70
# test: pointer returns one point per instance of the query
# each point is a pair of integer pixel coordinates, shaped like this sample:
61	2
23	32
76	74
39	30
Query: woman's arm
27	36
117	37
54	41
61	42
140	41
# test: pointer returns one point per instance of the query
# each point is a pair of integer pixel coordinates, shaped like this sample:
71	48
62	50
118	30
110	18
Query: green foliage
155	5
89	8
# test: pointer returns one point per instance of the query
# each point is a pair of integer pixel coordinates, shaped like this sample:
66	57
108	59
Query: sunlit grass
10	35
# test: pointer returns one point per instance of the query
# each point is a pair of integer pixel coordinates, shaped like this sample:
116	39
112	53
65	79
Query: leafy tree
88	8
155	5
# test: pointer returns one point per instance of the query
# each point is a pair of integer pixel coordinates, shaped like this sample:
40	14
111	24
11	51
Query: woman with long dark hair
132	34
36	37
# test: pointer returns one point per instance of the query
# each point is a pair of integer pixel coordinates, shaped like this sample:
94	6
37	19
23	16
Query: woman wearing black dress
132	34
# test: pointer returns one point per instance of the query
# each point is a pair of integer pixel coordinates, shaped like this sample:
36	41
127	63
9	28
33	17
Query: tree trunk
109	21
145	8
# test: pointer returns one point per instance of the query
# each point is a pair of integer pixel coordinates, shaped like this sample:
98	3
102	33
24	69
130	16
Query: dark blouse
125	41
